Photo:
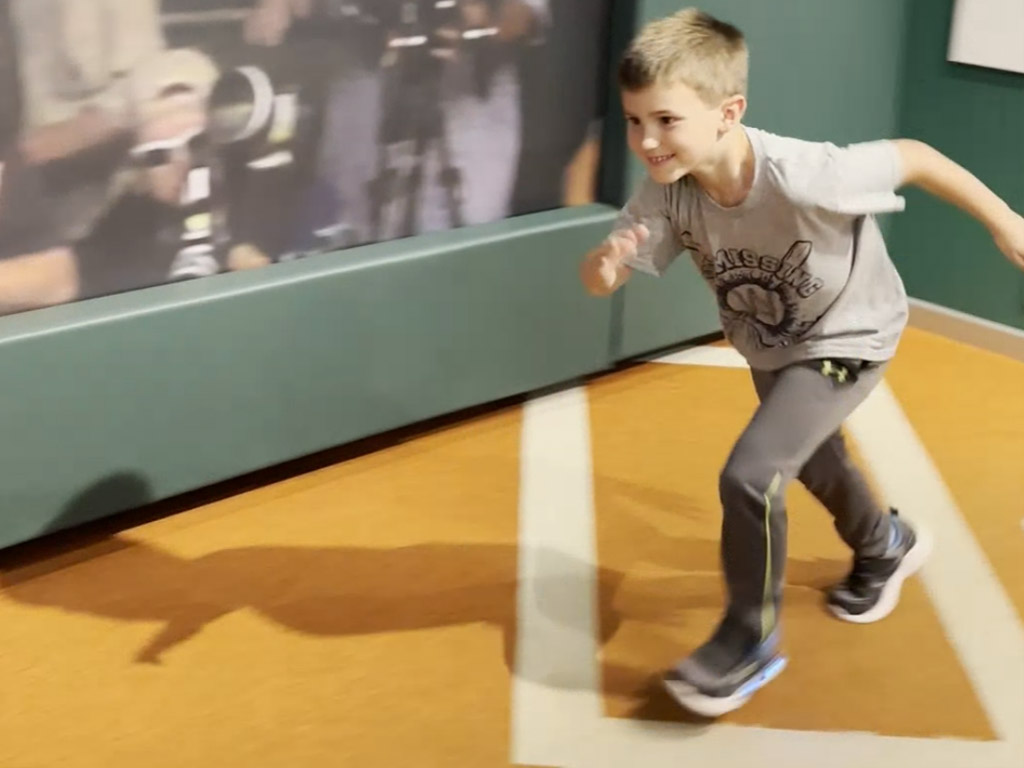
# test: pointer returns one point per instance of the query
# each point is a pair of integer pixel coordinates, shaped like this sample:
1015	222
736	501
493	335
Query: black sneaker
714	681
872	589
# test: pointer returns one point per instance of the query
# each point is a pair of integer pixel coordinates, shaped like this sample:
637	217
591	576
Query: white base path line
557	707
972	604
554	692
722	357
624	743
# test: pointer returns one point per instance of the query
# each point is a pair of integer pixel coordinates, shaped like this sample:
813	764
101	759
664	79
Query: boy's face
674	131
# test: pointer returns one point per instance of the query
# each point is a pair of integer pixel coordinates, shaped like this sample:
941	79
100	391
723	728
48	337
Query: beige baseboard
967	329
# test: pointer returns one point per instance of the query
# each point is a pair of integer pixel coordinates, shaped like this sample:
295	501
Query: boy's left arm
933	172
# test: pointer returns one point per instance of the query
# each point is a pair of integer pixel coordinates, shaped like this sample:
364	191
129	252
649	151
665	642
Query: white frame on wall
988	33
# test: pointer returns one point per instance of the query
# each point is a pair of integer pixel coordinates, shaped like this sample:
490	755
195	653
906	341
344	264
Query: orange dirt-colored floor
365	613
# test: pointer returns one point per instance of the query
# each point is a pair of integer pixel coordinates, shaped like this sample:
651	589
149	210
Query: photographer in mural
94	80
146	141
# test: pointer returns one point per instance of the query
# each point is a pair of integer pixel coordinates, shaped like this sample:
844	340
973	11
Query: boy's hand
604	268
1009	237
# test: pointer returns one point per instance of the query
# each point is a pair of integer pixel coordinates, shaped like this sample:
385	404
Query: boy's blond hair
692	47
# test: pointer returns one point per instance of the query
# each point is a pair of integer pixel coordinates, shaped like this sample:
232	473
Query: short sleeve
651	206
859	179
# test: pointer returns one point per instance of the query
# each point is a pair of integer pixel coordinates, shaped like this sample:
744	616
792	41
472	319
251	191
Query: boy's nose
649	143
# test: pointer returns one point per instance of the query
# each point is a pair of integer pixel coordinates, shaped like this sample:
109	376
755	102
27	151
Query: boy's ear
733	110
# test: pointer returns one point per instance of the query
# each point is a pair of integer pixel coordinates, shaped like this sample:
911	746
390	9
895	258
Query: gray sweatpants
793	434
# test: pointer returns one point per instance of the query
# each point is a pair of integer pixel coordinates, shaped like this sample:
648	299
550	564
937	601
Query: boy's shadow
344	590
311	590
96	569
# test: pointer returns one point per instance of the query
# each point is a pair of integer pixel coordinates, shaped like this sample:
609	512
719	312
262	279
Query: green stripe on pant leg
767	603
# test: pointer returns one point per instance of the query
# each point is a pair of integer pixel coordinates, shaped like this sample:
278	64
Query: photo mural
149	141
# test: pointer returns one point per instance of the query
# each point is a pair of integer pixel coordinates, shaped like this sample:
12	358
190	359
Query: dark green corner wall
976	116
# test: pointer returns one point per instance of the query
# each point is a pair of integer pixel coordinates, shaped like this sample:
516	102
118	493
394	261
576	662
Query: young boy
784	232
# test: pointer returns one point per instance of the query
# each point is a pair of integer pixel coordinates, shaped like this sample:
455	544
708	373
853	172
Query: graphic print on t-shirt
766	293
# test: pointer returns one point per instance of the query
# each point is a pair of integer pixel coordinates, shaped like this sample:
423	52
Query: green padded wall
820	70
112	403
976	116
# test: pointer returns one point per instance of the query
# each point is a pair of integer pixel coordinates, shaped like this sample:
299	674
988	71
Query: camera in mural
150	141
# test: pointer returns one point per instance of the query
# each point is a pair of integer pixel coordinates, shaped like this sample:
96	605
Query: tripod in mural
427	36
412	118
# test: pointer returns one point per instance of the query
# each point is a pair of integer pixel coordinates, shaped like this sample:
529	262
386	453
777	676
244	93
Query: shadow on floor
314	591
334	591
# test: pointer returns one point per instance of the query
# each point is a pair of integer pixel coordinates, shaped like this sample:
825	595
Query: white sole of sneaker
701	704
890	596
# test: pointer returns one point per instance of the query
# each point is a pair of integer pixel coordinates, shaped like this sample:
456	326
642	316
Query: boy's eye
667	120
633	121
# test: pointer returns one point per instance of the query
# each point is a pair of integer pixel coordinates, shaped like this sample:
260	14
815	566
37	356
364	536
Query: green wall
820	70
976	116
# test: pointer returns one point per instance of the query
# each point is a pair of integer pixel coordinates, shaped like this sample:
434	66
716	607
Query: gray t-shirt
799	268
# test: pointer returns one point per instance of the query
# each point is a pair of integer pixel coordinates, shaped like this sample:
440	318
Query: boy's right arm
604	269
